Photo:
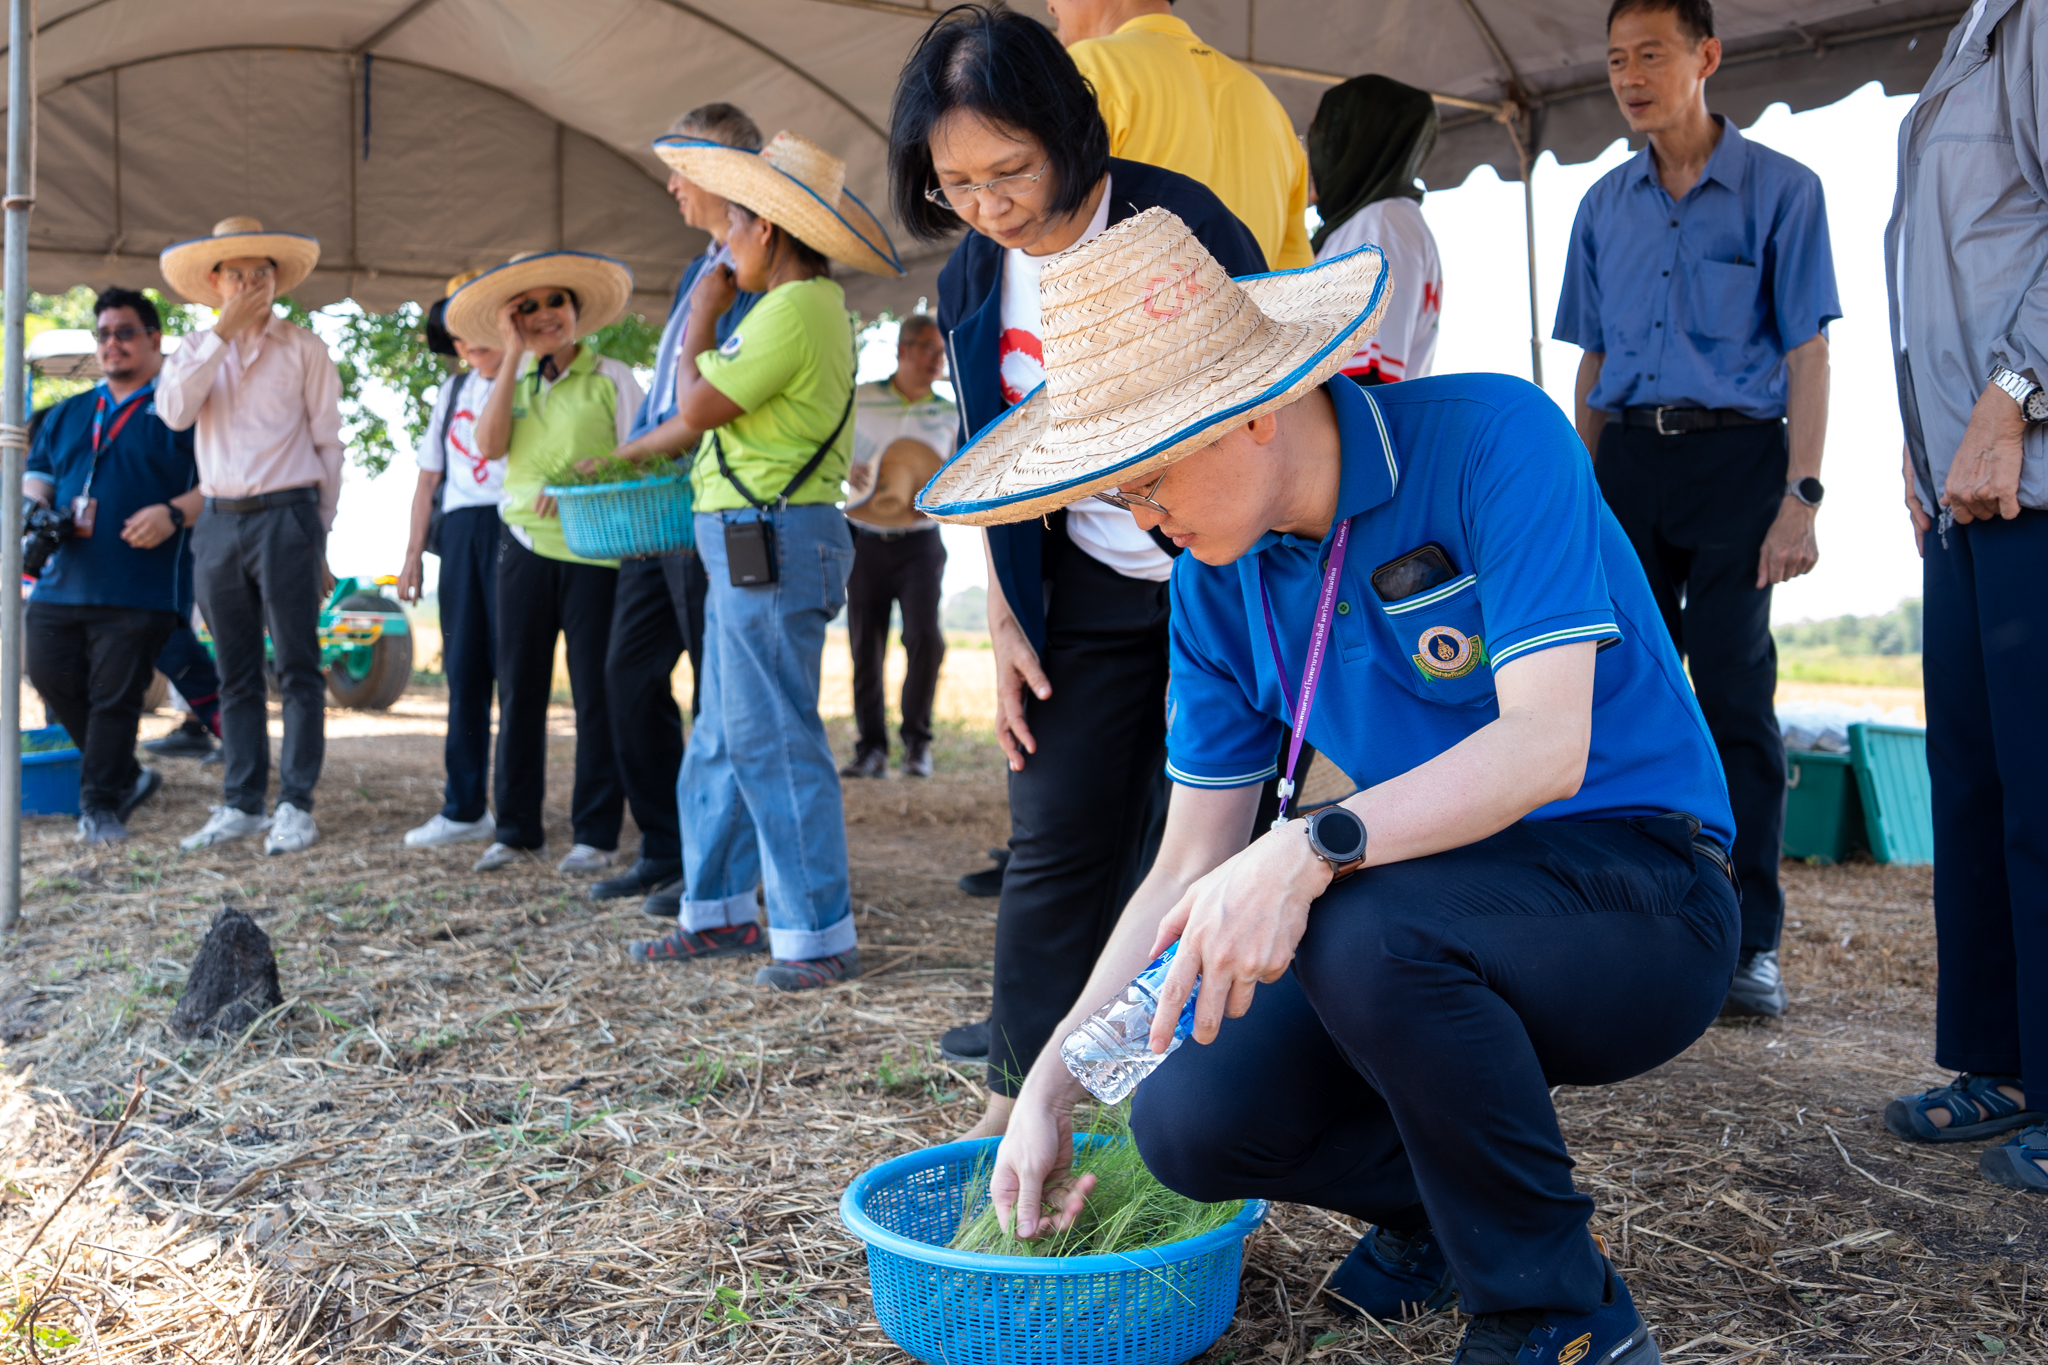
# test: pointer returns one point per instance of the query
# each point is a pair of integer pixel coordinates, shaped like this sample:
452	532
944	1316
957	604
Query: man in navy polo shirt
1531	885
1701	283
112	595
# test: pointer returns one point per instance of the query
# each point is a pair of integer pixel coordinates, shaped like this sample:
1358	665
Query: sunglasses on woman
528	307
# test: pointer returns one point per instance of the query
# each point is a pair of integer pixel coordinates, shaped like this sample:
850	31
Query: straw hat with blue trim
1152	352
796	185
186	265
602	286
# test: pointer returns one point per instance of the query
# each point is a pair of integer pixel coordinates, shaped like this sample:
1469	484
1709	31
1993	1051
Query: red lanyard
99	414
1318	644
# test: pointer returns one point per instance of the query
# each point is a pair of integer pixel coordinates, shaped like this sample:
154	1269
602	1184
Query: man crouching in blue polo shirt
1531	886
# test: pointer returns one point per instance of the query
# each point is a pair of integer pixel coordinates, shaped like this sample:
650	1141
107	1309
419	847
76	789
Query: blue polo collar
1726	165
1370	471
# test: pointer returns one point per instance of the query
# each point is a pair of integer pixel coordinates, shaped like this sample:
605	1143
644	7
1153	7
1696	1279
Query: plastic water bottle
1111	1051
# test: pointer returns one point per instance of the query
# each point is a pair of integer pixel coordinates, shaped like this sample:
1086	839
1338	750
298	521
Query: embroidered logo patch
1575	1351
731	346
1445	652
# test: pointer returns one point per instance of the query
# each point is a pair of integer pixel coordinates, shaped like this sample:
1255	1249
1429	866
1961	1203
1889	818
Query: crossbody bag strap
810	466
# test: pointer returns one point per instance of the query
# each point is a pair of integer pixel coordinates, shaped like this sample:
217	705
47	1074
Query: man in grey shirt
1967	258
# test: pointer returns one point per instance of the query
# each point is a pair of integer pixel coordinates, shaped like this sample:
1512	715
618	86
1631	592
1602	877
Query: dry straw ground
479	1133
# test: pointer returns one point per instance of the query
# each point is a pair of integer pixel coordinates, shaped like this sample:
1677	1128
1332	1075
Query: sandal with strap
2017	1163
1976	1107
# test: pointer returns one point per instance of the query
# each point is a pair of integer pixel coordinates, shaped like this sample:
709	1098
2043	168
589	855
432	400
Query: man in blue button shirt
1700	285
1530	886
118	587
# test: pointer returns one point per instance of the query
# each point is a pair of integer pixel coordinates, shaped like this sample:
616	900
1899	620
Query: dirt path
482	1134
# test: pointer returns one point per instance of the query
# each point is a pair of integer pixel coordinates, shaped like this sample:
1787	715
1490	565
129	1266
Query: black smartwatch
1337	836
177	516
1807	490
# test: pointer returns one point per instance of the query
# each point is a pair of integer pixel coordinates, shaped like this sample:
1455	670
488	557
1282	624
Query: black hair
806	254
916	324
1008	69
721	123
117	297
1695	17
439	339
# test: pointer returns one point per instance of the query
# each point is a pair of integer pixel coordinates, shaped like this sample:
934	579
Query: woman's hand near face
715	292
508	328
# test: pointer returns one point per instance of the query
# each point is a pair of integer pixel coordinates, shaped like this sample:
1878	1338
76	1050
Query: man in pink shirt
266	397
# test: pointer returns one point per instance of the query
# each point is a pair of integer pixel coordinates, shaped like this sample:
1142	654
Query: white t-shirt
471	481
1405	345
1106	534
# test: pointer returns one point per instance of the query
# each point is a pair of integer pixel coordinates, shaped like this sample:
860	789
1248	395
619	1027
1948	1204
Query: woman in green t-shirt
759	793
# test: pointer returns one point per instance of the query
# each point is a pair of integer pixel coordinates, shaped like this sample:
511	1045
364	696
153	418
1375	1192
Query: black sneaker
917	761
190	740
1612	1334
101	827
1392	1276
869	763
735	940
648	874
987	884
147	783
1757	990
965	1043
664	902
811	973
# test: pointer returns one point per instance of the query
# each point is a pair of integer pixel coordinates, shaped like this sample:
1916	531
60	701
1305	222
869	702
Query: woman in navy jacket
994	128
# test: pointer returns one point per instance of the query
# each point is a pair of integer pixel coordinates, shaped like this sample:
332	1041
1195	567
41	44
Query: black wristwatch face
1810	491
1336	834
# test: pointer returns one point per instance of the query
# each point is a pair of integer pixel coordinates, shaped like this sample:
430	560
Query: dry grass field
480	1133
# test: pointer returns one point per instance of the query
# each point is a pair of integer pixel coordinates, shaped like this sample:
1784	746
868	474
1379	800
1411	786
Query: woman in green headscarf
1365	148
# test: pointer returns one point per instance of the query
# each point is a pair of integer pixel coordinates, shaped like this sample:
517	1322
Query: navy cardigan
970	315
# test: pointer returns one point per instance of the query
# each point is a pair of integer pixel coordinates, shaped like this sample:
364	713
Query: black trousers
469	648
647	728
1697	508
1087	812
1986	652
258	573
888	570
687	587
190	668
538	599
92	666
1400	1072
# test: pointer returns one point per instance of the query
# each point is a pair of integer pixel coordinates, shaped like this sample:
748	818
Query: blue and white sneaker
1612	1334
1392	1277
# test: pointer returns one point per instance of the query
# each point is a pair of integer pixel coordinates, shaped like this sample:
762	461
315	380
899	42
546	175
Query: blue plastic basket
625	520
1161	1306
49	778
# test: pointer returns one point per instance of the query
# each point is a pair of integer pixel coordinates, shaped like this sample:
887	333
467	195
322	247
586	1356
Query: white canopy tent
420	138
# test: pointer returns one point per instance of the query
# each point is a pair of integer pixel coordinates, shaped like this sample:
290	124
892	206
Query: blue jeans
758	795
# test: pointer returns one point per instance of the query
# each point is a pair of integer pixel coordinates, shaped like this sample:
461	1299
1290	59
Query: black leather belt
861	530
1686	421
1711	851
285	497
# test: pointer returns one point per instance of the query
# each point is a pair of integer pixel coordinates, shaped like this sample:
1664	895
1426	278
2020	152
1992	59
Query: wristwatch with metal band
1337	836
2026	392
1807	490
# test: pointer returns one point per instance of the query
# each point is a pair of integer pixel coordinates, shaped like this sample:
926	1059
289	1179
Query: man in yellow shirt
1171	100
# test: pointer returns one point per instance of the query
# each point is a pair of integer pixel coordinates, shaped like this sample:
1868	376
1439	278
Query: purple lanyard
1318	643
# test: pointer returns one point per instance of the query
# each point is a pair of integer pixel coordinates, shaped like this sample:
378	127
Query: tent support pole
21	132
1513	116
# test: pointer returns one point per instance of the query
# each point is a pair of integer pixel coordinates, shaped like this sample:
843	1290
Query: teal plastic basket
50	772
1161	1306
625	520
1898	795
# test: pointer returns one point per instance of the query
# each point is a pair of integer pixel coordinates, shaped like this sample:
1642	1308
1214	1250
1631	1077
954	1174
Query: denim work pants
1986	652
258	572
469	649
759	791
1400	1072
92	666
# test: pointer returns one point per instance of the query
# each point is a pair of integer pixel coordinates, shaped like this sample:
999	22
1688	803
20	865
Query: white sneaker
224	824
441	830
585	861
504	855
291	830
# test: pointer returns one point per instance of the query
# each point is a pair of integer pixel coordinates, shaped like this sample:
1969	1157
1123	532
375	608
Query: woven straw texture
796	185
602	286
1152	352
187	264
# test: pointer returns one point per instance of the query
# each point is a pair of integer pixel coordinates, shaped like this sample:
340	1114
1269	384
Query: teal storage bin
1898	798
1823	806
49	775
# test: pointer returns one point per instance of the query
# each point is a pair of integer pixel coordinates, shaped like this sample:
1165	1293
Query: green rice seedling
1128	1210
602	469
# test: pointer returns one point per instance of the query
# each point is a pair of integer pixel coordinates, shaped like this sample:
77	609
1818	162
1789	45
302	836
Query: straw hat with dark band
186	265
899	473
1152	352
602	287
796	185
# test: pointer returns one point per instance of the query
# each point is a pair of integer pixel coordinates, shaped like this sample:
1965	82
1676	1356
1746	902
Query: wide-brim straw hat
602	286
796	185
902	469
1152	352
186	265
